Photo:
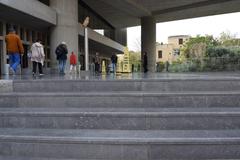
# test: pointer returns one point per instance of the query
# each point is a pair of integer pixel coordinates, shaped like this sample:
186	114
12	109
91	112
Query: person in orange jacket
73	63
14	49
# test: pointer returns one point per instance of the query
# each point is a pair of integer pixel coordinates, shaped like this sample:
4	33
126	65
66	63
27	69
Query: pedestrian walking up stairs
148	119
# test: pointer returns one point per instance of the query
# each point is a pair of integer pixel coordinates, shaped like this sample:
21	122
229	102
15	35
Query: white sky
212	25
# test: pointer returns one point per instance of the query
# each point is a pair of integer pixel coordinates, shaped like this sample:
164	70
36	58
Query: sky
211	25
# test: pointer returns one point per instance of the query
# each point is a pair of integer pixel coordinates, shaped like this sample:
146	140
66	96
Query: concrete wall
118	35
109	33
121	36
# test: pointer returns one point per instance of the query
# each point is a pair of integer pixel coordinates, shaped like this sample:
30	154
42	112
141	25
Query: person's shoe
41	74
61	73
12	71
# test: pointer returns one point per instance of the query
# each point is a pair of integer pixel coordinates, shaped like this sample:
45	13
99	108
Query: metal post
86	49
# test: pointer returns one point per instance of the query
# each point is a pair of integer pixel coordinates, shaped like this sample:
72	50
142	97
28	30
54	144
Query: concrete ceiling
127	13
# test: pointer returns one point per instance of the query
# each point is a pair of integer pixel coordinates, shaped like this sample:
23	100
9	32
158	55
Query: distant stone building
171	51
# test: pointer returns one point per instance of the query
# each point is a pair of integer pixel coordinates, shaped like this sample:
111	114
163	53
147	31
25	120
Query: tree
135	58
138	45
196	47
228	39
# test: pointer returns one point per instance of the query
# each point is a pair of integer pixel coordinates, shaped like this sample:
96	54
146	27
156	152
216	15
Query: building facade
55	21
171	51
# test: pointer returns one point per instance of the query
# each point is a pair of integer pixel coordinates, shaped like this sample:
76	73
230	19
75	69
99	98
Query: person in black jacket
145	62
61	53
114	60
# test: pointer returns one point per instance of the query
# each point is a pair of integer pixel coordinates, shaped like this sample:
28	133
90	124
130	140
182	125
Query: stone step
31	158
161	85
120	145
121	99
122	118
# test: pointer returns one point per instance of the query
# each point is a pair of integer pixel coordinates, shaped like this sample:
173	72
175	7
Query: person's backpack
58	52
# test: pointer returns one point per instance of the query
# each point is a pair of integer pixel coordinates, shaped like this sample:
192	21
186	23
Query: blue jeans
114	67
62	64
14	59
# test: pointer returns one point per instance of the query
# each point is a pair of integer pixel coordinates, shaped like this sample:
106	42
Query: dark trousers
145	68
39	67
97	67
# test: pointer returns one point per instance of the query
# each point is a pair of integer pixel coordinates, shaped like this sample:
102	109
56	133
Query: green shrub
160	66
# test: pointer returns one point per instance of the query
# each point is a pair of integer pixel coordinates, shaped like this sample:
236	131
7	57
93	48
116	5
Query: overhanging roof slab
29	13
128	13
102	41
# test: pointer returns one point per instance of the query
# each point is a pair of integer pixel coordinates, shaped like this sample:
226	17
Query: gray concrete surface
6	86
121	99
138	145
153	85
138	117
131	76
121	118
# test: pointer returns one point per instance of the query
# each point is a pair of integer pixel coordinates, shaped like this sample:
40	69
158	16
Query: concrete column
121	36
86	49
4	56
148	36
66	29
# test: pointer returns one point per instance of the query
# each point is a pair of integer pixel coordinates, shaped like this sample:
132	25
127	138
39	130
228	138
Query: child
73	63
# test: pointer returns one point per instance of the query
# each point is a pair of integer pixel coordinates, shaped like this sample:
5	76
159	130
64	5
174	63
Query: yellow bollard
103	67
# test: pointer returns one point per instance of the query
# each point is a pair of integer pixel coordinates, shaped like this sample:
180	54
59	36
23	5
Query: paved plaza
127	76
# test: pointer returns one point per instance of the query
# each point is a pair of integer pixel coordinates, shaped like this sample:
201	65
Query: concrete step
31	158
122	118
121	99
161	85
120	145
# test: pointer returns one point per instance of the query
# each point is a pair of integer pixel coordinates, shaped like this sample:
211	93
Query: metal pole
86	49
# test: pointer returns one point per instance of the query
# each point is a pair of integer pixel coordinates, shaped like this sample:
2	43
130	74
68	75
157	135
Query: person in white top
37	57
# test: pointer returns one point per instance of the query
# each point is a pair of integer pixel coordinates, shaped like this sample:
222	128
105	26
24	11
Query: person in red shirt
73	63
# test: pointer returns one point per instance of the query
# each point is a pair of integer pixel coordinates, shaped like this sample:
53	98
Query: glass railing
213	64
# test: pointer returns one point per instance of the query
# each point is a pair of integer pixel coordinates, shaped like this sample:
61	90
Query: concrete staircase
164	119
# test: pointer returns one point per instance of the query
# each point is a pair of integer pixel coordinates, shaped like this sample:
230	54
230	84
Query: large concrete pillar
148	36
66	29
4	56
